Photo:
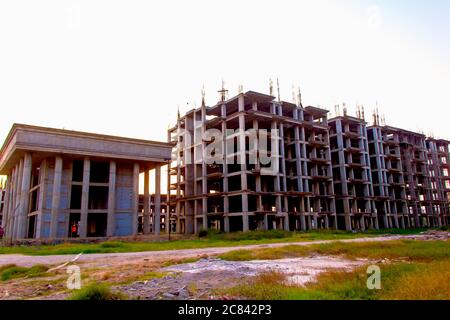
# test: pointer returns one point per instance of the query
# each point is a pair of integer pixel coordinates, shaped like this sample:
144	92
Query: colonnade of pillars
17	197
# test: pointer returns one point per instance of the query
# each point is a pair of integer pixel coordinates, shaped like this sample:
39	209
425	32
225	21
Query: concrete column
11	205
286	222
134	215
226	224
42	191
85	197
245	226
111	224
17	198
146	214
24	197
226	210
5	211
157	215
56	197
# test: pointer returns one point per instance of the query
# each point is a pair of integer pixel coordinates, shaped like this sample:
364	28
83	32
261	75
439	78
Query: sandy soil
109	259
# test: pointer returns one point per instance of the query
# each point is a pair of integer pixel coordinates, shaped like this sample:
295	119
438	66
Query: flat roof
22	138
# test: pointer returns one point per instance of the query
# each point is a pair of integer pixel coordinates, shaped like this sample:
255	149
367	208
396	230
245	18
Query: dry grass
401	281
401	249
428	282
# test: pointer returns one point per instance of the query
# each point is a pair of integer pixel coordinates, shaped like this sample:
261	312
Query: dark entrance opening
140	224
74	225
235	223
97	223
31	226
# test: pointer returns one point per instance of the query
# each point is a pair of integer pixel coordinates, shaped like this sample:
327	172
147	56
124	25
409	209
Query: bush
96	292
203	233
12	271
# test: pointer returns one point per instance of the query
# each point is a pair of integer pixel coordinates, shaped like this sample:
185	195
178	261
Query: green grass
406	281
11	271
96	292
419	270
404	249
211	239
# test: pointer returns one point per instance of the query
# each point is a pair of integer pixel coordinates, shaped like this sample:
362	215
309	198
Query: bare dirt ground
110	259
198	280
129	272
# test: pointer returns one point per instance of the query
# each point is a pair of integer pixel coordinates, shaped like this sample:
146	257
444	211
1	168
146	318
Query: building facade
63	183
337	173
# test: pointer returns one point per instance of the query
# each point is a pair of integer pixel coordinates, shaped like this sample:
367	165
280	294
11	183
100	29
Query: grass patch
12	271
406	281
96	292
211	239
179	261
404	249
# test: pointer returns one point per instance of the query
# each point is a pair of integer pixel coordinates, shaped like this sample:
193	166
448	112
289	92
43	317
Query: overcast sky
123	67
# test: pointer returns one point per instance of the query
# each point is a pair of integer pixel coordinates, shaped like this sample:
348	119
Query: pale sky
123	67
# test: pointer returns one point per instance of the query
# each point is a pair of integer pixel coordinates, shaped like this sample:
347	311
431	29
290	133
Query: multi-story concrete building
294	191
330	173
438	170
351	173
65	183
387	176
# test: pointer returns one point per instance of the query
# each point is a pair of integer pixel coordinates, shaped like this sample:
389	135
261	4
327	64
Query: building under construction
250	162
324	173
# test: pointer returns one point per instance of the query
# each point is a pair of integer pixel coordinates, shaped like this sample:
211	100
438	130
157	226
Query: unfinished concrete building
387	176
351	173
438	168
63	184
292	192
414	159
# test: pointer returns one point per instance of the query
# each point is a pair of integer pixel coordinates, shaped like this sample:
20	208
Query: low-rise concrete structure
63	183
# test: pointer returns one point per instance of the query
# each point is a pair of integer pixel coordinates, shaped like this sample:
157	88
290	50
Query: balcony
318	142
352	135
319	160
353	150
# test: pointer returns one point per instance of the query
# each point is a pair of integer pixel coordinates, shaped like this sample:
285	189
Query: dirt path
108	259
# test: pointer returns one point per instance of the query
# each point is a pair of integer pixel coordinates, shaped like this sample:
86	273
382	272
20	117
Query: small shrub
96	292
12	272
203	233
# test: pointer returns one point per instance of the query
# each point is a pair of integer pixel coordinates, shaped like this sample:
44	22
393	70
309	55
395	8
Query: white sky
123	67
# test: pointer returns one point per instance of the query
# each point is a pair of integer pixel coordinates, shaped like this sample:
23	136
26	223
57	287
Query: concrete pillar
226	224
42	190
245	226
226	218
11	205
135	201
286	222
111	224
157	215
17	198
146	214
24	197
56	197
85	197
5	211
